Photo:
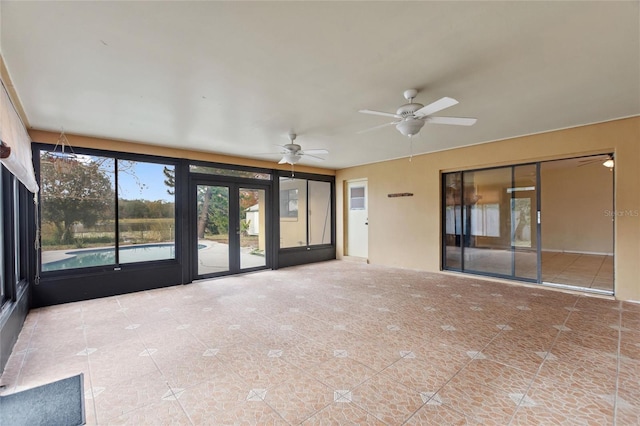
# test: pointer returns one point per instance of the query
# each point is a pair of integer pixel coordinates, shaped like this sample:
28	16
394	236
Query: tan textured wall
405	232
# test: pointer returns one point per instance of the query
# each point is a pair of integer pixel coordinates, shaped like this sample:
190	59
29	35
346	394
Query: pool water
107	256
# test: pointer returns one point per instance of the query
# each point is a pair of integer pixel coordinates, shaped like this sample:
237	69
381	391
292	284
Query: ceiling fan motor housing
292	147
408	109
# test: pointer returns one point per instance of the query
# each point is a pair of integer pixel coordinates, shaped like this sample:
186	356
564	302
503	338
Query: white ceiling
236	77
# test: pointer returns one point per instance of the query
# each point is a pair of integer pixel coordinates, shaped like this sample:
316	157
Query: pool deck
212	258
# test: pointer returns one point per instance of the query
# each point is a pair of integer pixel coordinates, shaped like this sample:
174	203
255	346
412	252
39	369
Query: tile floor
581	270
585	271
341	343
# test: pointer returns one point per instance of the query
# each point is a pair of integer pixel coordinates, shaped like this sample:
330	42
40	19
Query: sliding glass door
499	222
490	224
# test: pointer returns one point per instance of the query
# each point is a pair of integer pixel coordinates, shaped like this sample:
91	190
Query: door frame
234	186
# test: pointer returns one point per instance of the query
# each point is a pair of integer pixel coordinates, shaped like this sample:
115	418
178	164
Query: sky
142	181
136	180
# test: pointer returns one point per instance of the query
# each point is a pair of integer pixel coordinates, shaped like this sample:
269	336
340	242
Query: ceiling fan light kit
410	118
290	158
410	126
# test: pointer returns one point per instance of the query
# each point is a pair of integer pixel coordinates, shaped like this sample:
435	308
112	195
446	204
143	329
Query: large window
305	212
99	210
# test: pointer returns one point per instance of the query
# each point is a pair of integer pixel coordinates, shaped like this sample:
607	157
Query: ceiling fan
292	152
410	118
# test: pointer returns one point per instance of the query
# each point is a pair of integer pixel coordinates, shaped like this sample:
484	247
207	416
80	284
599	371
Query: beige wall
576	208
405	231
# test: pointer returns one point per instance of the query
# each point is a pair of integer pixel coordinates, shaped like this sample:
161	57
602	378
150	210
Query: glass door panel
212	228
487	221
524	212
252	209
452	221
577	223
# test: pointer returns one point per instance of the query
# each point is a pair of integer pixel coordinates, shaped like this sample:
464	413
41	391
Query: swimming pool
107	256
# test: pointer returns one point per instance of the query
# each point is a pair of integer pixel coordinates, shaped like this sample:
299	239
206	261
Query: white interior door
357	219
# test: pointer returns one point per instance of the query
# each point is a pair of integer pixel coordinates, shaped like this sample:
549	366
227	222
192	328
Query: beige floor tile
387	399
582	404
343	343
296	401
343	413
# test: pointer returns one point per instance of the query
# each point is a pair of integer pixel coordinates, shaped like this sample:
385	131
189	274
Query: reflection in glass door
212	228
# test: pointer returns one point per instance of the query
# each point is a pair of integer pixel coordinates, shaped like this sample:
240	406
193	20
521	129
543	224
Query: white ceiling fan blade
377	127
459	121
284	160
436	106
313	157
384	114
315	151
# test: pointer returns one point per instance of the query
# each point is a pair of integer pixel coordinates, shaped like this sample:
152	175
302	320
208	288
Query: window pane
146	211
212	229
77	211
293	207
357	198
229	172
319	211
252	228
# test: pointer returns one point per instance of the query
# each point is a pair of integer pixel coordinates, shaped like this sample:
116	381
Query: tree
81	193
213	210
213	204
170	181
